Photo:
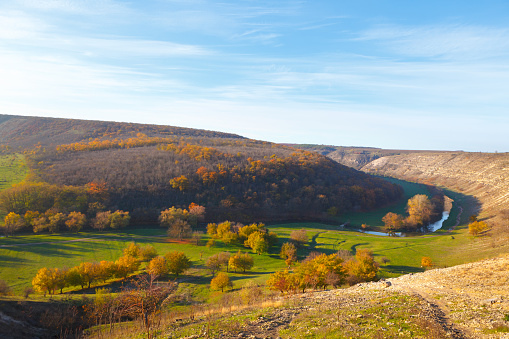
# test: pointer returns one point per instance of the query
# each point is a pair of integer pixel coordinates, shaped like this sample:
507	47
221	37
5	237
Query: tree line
49	280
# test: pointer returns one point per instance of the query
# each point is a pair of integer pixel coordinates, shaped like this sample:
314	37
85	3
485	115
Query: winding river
430	229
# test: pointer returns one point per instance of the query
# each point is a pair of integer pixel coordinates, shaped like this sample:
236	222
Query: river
430	229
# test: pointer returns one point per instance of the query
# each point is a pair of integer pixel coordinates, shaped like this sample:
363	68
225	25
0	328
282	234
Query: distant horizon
398	75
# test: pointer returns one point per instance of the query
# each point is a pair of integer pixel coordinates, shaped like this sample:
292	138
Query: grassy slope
12	171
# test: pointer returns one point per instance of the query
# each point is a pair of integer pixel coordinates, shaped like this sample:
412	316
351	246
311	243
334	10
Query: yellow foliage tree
477	228
426	262
157	266
45	281
221	281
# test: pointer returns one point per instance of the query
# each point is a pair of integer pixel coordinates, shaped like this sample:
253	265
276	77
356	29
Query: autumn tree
363	267
60	277
179	229
280	281
477	228
419	210
221	281
426	262
218	260
106	270
132	250
181	183
258	242
45	281
119	219
56	221
196	213
126	265
393	222
75	221
288	253
89	271
299	237
102	220
147	253
157	266
177	262
241	261
12	223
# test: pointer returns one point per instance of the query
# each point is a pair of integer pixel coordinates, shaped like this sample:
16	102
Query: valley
59	167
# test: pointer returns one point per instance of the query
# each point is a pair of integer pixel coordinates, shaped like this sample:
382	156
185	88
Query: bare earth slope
482	175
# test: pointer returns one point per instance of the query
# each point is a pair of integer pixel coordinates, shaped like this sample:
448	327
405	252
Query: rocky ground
465	301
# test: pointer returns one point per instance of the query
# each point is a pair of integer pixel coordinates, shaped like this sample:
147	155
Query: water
438	225
431	228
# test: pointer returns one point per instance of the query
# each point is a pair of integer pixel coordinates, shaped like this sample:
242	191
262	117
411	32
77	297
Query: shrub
426	262
4	288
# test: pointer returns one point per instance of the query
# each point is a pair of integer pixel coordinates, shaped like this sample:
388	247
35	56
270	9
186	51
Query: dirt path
473	298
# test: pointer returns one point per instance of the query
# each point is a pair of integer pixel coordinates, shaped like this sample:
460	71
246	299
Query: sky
392	74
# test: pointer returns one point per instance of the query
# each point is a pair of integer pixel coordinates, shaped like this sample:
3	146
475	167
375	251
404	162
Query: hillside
356	157
465	301
144	169
26	132
484	176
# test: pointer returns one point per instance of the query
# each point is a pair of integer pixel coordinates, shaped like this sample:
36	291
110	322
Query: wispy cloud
88	7
441	41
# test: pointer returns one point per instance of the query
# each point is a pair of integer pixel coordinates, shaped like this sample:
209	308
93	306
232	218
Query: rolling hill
147	168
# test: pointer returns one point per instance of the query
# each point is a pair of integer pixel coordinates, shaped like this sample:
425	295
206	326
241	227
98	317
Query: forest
234	178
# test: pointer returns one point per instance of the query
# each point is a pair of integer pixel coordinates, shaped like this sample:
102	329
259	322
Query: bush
4	288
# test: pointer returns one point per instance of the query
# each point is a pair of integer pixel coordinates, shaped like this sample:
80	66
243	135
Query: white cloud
88	7
441	41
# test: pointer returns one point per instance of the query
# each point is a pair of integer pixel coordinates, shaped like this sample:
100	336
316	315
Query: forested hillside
145	168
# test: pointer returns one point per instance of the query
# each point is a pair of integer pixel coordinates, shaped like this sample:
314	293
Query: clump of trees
48	280
179	221
421	212
54	221
319	270
254	236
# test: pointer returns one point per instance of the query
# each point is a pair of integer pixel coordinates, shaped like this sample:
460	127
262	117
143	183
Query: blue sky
390	74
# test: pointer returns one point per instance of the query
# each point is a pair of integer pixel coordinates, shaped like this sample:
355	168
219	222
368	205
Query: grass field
374	218
12	171
22	256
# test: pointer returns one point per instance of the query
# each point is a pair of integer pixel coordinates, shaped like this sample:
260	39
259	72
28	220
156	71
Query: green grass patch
12	170
374	218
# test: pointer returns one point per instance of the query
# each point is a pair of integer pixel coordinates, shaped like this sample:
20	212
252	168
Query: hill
146	168
26	132
465	301
484	177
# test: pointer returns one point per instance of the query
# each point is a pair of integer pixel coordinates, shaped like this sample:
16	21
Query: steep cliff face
482	175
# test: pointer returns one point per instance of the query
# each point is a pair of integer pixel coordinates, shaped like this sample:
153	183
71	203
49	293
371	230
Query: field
12	170
22	256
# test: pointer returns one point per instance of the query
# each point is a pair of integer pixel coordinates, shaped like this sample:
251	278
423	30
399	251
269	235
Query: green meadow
12	171
21	256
